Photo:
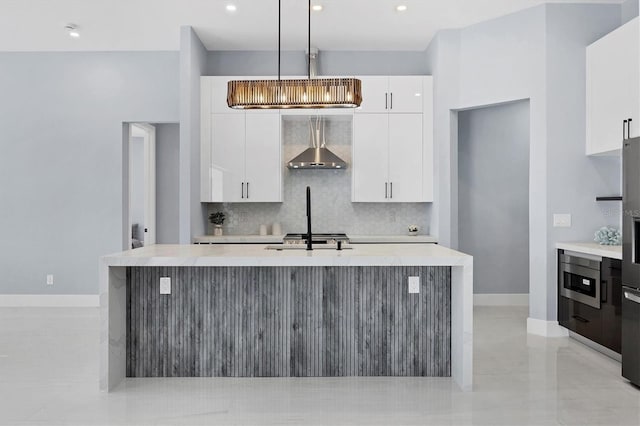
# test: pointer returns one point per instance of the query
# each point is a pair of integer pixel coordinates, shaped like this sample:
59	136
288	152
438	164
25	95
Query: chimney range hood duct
317	156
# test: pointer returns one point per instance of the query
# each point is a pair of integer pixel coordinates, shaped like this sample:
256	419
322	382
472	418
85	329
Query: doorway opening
142	185
493	199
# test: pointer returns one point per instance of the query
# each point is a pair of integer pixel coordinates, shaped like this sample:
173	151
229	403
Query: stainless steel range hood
317	156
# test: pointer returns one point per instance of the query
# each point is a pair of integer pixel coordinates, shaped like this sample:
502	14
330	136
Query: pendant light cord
279	31
309	44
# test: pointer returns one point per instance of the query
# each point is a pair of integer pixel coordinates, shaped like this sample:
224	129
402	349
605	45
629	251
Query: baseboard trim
501	299
546	328
49	300
596	346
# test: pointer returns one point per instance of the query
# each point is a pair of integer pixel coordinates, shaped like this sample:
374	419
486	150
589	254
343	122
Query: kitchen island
245	311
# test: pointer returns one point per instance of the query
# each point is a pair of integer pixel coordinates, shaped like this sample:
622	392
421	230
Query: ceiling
38	25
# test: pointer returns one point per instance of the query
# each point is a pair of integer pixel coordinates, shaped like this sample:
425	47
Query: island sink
304	247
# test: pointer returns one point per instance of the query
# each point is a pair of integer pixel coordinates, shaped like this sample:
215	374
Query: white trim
546	328
49	301
521	299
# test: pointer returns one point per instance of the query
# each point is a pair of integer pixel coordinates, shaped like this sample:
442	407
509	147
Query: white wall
507	59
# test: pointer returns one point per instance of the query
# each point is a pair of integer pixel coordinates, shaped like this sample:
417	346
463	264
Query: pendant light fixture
304	93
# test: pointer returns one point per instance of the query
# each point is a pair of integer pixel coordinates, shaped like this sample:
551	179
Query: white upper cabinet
406	94
263	160
393	152
370	166
613	89
405	158
240	150
395	94
227	157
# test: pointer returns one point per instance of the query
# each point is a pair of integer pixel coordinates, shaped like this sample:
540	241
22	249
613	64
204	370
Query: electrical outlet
49	279
414	285
561	220
165	285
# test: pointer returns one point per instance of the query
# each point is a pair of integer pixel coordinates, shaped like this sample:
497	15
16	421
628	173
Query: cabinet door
612	88
227	157
370	158
263	158
427	139
405	94
219	96
375	95
405	158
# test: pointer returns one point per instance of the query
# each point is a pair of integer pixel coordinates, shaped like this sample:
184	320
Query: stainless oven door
580	284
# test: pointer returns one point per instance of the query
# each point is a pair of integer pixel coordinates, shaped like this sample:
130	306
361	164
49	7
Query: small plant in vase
217	219
413	229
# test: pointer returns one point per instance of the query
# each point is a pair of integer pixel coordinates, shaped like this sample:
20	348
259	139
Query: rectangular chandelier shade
285	94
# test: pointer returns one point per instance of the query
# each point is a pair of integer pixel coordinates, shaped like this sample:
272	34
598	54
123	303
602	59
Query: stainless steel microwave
580	279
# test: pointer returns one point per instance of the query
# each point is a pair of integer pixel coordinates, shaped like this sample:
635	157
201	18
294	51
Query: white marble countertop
391	239
238	239
274	239
613	252
257	255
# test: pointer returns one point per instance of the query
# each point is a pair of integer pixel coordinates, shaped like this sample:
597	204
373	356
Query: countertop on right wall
614	252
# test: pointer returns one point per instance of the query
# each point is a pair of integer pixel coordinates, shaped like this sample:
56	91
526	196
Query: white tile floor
49	371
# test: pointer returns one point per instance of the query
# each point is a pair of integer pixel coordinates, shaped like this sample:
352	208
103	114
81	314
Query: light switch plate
414	284
49	279
165	285
562	220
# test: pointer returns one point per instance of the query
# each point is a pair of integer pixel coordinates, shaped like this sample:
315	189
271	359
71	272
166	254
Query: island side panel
113	326
289	321
462	325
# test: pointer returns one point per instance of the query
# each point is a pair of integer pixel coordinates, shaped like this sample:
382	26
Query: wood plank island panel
288	321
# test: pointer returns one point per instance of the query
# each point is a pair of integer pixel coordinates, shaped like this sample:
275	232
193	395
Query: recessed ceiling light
316	7
72	30
401	8
231	8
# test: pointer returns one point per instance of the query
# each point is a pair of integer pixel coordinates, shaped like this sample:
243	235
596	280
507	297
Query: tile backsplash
332	209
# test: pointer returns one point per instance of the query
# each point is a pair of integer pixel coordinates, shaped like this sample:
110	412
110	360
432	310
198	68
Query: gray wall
193	57
573	179
629	10
61	168
167	183
493	196
332	209
265	63
536	54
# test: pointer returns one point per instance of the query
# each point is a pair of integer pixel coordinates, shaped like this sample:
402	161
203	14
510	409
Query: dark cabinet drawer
604	325
583	319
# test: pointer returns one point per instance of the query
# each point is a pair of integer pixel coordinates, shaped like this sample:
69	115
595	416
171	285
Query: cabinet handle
579	318
385	190
243	190
629	128
247	189
391	100
391	190
624	129
386	101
